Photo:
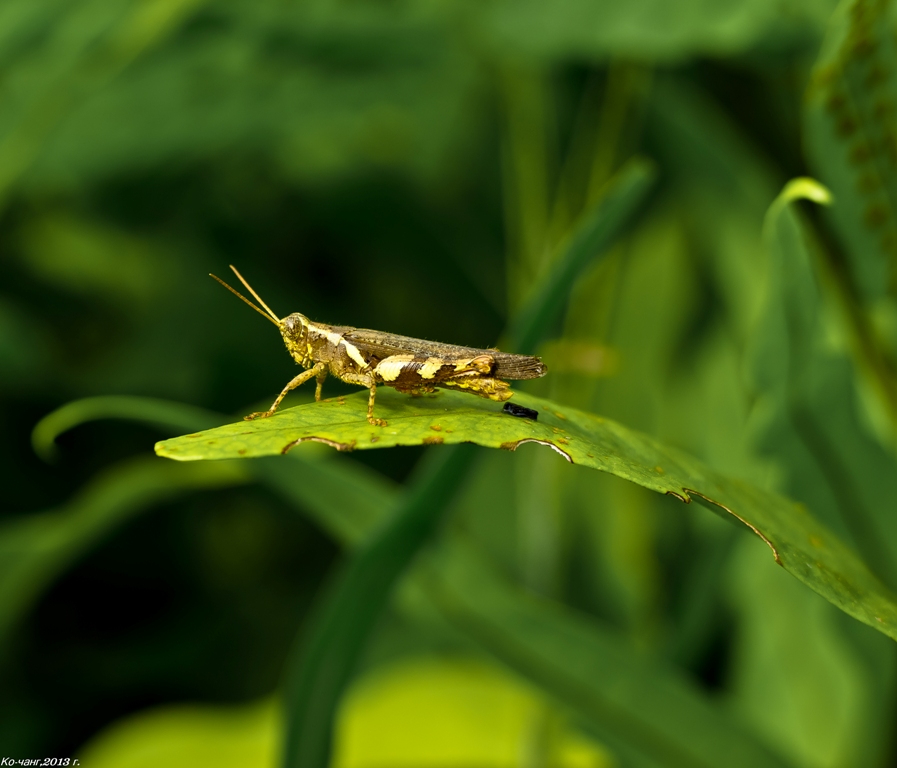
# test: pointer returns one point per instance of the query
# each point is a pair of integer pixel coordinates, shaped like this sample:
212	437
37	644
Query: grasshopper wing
376	346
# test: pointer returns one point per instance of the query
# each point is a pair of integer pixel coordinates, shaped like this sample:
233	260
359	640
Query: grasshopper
368	358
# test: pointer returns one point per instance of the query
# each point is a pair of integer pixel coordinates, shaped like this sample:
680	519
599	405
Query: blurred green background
416	166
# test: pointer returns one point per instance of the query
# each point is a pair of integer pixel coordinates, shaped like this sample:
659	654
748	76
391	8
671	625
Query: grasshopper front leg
319	370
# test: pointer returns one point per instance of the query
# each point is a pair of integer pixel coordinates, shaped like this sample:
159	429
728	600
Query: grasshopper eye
294	322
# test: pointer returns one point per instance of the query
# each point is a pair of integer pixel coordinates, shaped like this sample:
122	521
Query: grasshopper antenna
257	297
269	316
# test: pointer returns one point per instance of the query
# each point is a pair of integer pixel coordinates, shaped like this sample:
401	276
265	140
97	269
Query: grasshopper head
294	329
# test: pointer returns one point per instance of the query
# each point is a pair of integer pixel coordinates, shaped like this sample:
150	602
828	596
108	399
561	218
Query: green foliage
848	129
799	543
597	183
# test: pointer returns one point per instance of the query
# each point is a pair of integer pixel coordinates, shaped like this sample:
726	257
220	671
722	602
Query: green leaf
800	544
848	123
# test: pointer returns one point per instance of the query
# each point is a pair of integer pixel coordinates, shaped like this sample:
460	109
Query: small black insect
520	412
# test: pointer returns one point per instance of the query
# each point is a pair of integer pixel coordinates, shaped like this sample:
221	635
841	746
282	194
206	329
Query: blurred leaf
641	30
629	698
36	548
77	49
25	349
347	613
796	678
848	132
188	736
74	254
318	88
157	413
457	711
799	543
807	417
808	397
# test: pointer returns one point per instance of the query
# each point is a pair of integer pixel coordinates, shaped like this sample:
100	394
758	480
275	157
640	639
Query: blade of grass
616	210
157	413
348	610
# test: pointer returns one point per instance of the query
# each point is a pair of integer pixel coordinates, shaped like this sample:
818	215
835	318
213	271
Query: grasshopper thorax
294	329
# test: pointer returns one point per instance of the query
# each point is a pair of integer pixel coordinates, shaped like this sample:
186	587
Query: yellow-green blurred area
419	712
420	167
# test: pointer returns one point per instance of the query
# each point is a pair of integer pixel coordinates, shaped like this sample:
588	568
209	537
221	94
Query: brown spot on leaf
433	440
375	439
876	76
436	428
867	183
883	110
835	102
860	153
889	241
875	215
242	451
846	126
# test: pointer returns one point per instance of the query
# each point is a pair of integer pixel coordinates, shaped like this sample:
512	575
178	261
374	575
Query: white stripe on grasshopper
390	367
428	369
352	351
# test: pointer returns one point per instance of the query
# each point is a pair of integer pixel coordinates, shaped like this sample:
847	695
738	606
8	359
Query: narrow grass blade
350	607
597	231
